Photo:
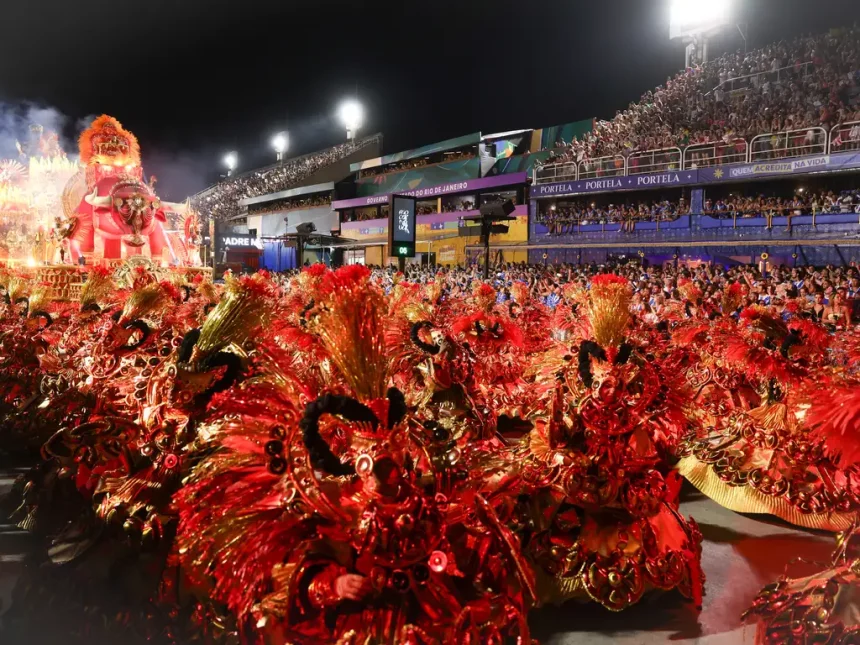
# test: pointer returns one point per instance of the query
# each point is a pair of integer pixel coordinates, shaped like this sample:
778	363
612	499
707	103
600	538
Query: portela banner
607	184
719	174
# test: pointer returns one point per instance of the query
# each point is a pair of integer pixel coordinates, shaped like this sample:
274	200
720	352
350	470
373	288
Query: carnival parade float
59	216
31	189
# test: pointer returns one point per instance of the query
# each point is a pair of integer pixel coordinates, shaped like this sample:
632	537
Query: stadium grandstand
746	154
222	201
250	214
784	100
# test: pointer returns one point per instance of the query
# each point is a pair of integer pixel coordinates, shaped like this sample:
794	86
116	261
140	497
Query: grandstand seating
784	100
221	201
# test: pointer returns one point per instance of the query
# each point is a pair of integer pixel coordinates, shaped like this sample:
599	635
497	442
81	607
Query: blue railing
704	228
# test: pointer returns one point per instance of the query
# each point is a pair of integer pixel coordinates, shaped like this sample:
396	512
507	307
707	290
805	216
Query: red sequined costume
602	516
820	604
764	459
366	542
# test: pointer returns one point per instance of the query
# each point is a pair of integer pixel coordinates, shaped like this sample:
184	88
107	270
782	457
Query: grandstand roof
287	161
292	192
441	146
499	135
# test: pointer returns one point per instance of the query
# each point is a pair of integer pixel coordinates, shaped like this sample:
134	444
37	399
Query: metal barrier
613	166
844	137
556	172
788	144
774	145
719	153
742	83
648	161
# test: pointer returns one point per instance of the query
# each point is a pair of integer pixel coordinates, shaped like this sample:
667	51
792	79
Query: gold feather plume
351	329
609	308
144	301
39	299
244	307
97	288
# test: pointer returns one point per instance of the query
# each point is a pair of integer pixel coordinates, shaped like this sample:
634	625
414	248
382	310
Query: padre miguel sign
227	242
401	226
237	240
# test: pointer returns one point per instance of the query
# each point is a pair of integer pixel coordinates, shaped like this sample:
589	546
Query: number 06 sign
401	226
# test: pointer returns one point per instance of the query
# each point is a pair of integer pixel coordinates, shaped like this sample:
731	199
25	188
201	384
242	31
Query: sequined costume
358	534
764	460
819	603
602	518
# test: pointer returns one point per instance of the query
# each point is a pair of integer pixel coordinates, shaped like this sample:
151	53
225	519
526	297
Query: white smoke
15	122
180	174
84	122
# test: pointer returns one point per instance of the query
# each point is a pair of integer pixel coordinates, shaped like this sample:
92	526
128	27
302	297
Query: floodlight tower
279	143
351	114
231	160
696	21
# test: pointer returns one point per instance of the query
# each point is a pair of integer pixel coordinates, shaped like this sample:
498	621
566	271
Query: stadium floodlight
688	18
231	160
352	114
280	142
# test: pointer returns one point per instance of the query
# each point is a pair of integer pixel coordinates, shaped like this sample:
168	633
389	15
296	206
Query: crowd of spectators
791	85
826	293
562	218
360	215
289	204
459	206
222	200
801	203
830	294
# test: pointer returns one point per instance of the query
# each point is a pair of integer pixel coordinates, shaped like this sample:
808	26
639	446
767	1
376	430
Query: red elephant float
113	214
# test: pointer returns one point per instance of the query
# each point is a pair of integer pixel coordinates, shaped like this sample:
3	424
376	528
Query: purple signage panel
608	184
800	165
735	172
470	185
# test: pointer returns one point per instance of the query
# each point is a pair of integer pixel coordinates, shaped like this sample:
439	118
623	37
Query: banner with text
719	174
801	165
636	182
437	190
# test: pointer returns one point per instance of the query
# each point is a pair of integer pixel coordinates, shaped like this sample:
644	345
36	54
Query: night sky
194	78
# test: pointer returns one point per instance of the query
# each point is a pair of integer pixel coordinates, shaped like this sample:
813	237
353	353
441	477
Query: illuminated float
62	215
30	198
113	213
